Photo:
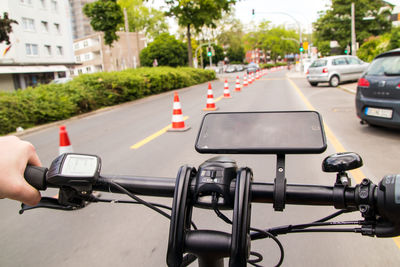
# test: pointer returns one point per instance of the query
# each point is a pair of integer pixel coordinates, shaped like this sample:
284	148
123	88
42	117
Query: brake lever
46	202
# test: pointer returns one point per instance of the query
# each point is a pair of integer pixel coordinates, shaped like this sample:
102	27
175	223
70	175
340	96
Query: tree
142	18
231	36
335	23
373	47
236	54
105	16
166	49
197	14
395	38
276	40
6	28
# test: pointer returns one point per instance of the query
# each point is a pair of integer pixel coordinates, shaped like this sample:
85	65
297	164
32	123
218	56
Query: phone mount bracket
279	184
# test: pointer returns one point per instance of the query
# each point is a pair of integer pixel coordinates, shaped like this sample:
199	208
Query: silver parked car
335	69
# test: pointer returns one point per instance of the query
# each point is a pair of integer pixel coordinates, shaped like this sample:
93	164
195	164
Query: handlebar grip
36	176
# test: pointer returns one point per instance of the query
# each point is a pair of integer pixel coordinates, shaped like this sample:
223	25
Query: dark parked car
252	67
378	91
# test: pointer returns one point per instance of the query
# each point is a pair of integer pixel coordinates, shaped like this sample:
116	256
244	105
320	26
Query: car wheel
334	81
313	83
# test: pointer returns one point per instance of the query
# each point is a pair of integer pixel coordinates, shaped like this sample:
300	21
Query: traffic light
305	45
347	49
301	47
253	12
209	51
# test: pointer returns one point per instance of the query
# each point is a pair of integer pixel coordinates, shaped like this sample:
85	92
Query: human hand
15	154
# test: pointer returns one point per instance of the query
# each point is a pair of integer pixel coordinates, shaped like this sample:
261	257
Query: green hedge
271	65
52	102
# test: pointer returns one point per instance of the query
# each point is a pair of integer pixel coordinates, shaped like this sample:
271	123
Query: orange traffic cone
250	78
245	80
65	144
210	100
237	89
227	94
178	124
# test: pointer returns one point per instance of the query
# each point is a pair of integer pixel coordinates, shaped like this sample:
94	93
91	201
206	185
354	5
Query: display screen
286	132
79	165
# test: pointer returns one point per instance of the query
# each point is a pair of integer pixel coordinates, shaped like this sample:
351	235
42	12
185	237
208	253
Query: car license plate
379	112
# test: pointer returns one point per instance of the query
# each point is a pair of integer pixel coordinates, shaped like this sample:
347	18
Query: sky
290	13
305	12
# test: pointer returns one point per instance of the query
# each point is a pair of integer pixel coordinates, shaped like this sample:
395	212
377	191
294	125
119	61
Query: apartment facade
94	56
80	23
41	43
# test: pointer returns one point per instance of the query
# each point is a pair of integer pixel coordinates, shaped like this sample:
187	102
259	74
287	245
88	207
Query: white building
41	43
94	55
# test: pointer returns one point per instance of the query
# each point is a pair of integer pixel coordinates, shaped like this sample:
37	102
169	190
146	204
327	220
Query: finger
26	194
33	158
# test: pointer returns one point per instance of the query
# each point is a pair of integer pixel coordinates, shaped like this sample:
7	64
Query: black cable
340	212
268	234
327	230
265	233
258	259
287	229
141	201
131	202
147	204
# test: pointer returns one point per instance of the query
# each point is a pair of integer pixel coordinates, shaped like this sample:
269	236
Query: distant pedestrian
155	63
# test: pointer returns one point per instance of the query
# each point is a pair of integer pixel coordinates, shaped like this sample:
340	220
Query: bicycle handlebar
374	202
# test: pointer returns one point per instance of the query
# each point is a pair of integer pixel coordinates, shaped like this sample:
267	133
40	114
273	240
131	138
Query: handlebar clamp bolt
365	181
364	208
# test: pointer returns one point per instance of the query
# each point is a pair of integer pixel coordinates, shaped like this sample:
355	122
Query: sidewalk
349	87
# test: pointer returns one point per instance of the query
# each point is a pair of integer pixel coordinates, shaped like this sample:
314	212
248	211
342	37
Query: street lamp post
353	31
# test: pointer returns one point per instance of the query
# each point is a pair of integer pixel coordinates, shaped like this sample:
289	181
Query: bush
52	102
270	65
373	47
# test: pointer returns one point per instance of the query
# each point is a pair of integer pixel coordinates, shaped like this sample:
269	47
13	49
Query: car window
353	60
339	61
318	63
385	65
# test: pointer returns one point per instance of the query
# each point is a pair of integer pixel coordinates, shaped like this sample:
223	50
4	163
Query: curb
349	90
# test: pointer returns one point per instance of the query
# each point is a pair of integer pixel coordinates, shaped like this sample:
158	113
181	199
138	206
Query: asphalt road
131	235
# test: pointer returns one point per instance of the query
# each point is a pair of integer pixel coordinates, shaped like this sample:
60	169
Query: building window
78	58
79	71
28	24
85	43
57	27
54	5
76	46
43	3
26	2
47	50
45	26
87	57
59	51
31	49
88	69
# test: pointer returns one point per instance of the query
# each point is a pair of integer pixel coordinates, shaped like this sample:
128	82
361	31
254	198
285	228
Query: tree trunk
190	53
